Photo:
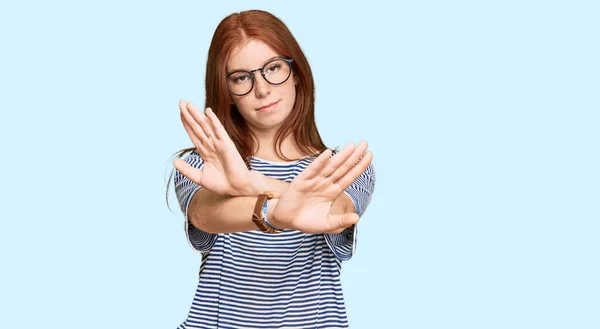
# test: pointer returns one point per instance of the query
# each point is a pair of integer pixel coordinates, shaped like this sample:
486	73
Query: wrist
274	221
260	183
257	183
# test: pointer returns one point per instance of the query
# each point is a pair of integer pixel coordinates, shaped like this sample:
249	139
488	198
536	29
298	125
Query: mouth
267	107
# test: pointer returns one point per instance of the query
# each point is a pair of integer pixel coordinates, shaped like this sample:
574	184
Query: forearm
343	204
214	213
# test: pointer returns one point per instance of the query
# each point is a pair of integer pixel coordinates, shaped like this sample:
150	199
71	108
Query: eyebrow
265	62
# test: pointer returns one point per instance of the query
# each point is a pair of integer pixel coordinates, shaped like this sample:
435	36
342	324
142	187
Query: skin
306	203
264	124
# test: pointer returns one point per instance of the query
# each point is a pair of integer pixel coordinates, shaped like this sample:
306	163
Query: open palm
224	171
306	204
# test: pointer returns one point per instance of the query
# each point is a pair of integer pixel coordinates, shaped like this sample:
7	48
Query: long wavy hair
235	31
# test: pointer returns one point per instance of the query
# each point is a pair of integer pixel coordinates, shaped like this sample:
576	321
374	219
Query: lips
268	105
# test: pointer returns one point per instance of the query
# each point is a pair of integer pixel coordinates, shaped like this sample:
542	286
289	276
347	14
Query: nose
261	87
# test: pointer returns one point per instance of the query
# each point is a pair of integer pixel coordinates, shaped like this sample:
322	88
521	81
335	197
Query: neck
266	149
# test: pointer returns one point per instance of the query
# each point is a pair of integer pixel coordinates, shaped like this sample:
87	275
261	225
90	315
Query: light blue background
482	118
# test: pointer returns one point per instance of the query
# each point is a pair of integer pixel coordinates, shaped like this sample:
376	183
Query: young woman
271	209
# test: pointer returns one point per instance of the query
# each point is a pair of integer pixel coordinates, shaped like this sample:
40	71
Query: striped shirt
258	280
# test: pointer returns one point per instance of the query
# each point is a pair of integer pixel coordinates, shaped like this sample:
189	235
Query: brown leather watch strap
257	217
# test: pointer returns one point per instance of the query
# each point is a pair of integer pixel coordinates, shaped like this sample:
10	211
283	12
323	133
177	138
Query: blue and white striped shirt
258	280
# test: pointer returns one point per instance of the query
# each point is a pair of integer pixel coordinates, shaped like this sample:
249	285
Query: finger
315	166
343	221
201	119
355	172
337	160
218	128
193	124
188	128
195	175
194	138
350	161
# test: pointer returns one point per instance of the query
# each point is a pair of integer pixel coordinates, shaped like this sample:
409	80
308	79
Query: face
253	55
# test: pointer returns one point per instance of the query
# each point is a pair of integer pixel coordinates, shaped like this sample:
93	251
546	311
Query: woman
270	208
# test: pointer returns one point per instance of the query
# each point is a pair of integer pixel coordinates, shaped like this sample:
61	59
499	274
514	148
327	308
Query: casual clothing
258	280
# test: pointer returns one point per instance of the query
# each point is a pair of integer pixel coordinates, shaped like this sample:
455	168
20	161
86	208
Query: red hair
235	31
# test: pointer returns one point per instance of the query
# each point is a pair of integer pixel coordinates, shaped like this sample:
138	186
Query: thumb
195	175
343	220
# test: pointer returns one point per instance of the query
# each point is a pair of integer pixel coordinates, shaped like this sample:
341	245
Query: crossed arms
313	202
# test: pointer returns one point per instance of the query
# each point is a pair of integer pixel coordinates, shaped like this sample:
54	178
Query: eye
239	78
274	68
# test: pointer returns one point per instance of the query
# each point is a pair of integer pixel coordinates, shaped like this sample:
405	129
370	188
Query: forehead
250	56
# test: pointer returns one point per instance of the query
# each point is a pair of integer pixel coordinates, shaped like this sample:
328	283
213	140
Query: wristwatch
258	217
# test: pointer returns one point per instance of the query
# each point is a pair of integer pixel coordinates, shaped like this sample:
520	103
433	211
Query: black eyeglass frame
262	72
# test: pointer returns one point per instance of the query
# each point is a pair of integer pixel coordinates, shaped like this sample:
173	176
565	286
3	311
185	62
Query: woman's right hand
306	204
224	170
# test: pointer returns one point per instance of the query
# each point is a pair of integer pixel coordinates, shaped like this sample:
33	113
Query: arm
214	213
229	192
343	204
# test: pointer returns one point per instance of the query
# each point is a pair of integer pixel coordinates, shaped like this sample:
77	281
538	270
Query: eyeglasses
274	72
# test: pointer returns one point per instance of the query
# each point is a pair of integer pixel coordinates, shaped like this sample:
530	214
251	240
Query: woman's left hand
306	205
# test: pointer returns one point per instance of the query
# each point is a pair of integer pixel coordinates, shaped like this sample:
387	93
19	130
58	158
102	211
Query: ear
296	79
